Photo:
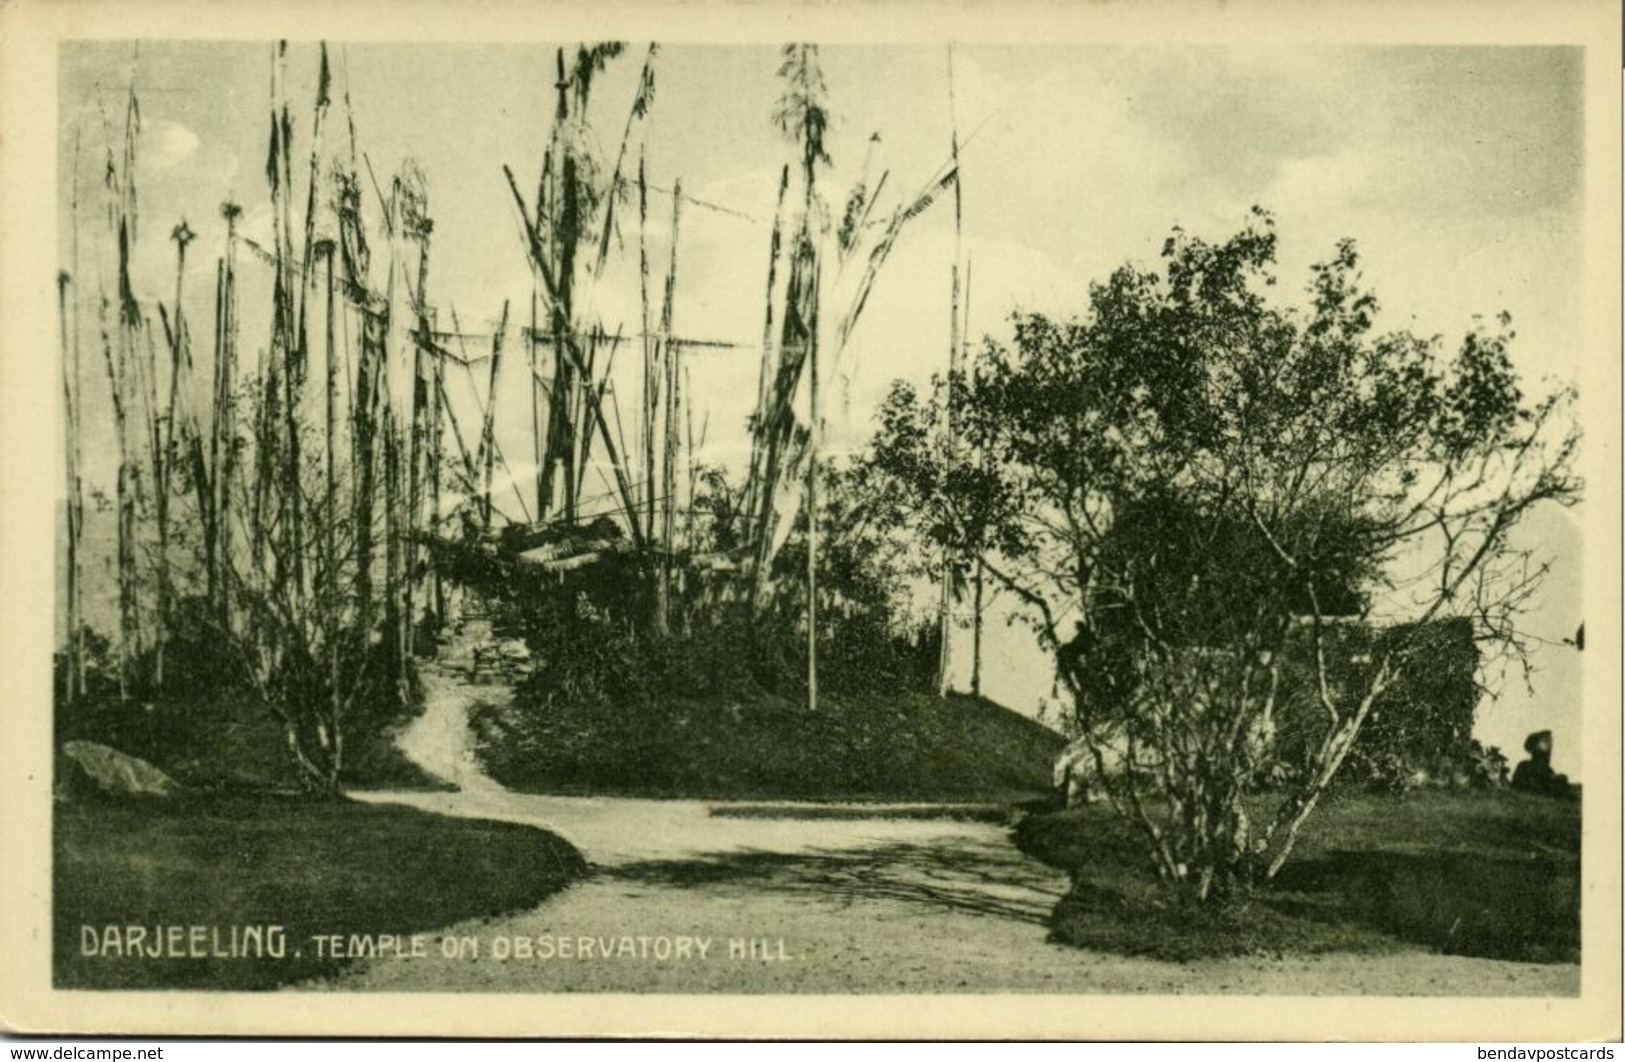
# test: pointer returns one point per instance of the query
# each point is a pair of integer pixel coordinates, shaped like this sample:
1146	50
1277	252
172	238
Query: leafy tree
1201	497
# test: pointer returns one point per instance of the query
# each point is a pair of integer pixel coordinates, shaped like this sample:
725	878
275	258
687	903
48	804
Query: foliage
873	634
1213	490
595	638
209	727
1420	730
802	113
98	667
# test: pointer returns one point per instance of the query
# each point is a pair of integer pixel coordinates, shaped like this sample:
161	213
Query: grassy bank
1490	874
900	747
314	868
223	740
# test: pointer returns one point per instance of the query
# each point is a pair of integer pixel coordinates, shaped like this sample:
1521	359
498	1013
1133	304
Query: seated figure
1535	775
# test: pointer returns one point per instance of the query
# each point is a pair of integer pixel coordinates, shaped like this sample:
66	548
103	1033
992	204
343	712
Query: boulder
115	773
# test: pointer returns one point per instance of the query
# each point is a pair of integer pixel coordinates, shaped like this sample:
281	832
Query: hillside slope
895	747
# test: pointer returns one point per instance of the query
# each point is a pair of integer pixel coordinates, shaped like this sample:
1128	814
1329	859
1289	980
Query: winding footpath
682	900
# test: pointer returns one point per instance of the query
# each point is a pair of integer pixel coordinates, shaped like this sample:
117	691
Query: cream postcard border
30	430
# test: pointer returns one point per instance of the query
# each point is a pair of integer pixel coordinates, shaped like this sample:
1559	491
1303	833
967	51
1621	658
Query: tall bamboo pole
392	551
766	373
184	416
146	368
270	488
688	452
129	320
437	449
125	506
182	235
394	620
224	457
307	279
813	432
71	383
537	441
330	514
423	380
295	349
670	355
977	609
564	235
211	529
364	430
488	449
473	461
70	374
945	608
651	380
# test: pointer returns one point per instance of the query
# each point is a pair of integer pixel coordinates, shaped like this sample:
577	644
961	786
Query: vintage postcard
772	520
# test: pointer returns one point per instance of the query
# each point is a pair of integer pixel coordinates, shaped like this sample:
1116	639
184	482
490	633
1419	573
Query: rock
116	773
1535	775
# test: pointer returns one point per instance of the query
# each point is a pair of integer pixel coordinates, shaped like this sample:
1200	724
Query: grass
225	742
332	867
1488	874
898	747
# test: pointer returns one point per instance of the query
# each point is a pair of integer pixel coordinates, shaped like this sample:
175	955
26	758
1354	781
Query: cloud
172	144
1319	182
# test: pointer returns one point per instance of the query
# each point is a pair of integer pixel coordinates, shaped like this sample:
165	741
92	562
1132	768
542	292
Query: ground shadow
192	875
1520	906
971	877
1466	875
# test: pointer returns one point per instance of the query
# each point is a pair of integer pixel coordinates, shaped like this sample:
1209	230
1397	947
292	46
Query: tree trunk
976	634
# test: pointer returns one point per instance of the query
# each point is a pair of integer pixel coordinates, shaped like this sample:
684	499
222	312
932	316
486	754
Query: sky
1459	172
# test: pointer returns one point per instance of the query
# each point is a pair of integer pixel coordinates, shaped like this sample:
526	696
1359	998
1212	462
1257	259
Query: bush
208	725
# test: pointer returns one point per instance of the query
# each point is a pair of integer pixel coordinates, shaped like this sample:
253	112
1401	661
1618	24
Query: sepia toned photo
550	530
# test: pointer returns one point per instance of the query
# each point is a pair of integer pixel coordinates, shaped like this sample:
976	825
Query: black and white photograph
601	516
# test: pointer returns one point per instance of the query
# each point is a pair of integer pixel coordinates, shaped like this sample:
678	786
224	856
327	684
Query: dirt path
683	901
439	740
